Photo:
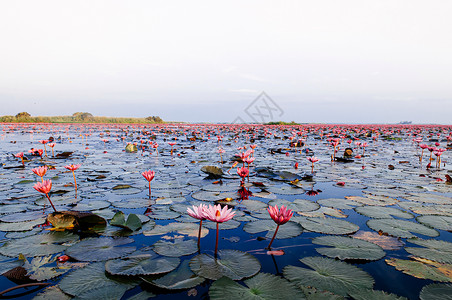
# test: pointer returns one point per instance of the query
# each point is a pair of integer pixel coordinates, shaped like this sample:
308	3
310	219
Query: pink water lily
198	212
280	216
219	215
45	187
72	168
149	176
40	171
312	159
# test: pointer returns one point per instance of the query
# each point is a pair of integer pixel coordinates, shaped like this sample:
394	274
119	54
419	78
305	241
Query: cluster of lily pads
370	205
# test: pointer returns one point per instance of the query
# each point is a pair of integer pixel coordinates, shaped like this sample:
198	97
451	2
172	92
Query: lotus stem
273	238
47	195
149	190
24	286
199	234
75	181
216	242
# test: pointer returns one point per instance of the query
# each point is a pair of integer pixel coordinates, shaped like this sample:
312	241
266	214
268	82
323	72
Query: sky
323	61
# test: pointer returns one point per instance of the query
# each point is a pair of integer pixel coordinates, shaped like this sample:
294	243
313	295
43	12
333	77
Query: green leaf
327	225
90	278
374	295
230	263
99	249
400	228
348	248
438	222
145	264
436	291
285	231
440	251
423	269
181	278
133	222
261	286
328	274
176	248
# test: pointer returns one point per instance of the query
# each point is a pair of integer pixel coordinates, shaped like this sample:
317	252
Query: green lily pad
52	293
327	225
423	269
92	205
38	245
90	278
296	205
440	251
181	278
261	286
177	248
6	264
99	249
113	292
338	203
328	274
133	222
21	226
436	291
382	212
133	203
230	263
437	222
285	231
374	295
401	228
23	216
348	248
189	229
145	264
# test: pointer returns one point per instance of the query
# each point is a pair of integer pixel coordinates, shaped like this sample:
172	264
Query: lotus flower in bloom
41	171
280	216
51	145
219	215
21	156
73	168
45	187
198	213
243	172
312	159
149	175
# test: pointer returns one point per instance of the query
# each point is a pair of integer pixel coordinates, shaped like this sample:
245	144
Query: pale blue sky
321	61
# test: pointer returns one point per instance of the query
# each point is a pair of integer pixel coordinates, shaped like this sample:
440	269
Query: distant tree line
78	117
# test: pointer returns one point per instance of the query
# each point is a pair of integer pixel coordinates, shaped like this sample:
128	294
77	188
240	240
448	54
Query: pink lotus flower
41	171
73	168
312	159
45	187
21	156
149	176
51	145
219	215
280	216
198	213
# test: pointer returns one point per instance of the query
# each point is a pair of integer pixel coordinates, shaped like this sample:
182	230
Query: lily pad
440	251
181	278
261	286
401	228
132	223
99	249
328	274
423	268
145	264
38	245
52	293
436	291
285	231
338	203
21	226
374	295
327	225
92	205
176	248
348	248
190	229
297	205
437	222
381	212
230	263
90	278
